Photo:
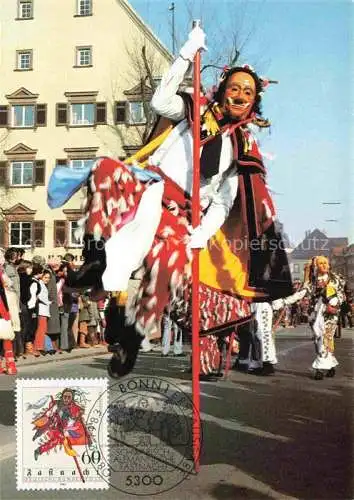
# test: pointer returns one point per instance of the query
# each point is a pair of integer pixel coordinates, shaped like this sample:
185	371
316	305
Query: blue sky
309	47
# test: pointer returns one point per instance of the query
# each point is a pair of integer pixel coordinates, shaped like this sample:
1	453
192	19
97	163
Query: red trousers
40	334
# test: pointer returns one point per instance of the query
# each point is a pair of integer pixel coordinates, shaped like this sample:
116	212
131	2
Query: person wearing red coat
7	348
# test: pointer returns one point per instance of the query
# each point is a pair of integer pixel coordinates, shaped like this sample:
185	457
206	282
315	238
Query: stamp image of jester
58	433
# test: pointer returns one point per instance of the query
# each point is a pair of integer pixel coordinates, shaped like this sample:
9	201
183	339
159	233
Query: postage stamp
59	444
150	436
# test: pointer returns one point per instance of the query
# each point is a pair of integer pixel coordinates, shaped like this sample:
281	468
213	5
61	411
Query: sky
309	48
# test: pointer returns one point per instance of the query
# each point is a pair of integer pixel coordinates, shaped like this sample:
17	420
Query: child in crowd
38	306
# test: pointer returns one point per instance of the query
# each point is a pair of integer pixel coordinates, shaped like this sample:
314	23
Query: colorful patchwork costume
325	290
141	218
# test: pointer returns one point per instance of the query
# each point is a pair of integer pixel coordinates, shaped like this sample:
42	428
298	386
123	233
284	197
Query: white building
68	93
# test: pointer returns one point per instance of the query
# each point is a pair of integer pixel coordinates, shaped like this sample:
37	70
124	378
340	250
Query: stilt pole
195	262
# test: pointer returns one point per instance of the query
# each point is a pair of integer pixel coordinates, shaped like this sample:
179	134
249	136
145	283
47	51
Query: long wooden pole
195	262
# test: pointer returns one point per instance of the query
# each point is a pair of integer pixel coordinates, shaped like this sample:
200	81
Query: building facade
349	265
71	89
342	262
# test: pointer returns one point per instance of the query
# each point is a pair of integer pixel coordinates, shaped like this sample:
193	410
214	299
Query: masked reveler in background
141	217
326	292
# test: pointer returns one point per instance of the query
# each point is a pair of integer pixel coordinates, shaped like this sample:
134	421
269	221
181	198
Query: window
73	240
81	110
296	268
20	234
24	60
82	114
120	114
84	7
83	56
81	163
136	113
25	9
22	173
21	168
23	110
23	116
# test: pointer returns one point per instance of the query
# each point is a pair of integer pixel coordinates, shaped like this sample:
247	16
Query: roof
337	251
147	30
317	243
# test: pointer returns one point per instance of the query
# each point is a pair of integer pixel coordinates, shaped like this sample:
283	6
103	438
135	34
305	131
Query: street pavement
284	436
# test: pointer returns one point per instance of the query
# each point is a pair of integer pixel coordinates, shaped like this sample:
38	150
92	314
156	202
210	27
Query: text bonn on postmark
150	436
57	439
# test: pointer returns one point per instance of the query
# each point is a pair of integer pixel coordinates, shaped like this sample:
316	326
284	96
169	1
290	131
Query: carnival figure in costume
325	290
61	424
141	217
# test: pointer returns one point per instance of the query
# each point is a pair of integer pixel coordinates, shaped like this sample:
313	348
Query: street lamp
172	9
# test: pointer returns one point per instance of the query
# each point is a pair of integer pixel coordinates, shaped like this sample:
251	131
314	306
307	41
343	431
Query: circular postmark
149	421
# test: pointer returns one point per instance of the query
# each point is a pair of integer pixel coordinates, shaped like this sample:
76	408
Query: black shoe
90	273
319	375
331	373
36	454
268	368
255	371
124	358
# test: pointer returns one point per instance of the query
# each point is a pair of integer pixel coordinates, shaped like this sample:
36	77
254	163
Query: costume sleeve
33	296
217	212
291	299
165	101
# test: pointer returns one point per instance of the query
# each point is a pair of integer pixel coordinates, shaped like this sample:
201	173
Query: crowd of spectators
47	316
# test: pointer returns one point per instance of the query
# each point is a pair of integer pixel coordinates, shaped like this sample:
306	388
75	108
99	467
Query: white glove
277	304
195	42
198	238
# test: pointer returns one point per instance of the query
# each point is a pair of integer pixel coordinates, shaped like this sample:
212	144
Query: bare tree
3	190
230	32
141	78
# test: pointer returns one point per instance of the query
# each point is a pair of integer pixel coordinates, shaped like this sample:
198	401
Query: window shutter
62	113
38	233
2	233
4	173
60	233
101	114
120	112
39	173
61	163
41	115
4	116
